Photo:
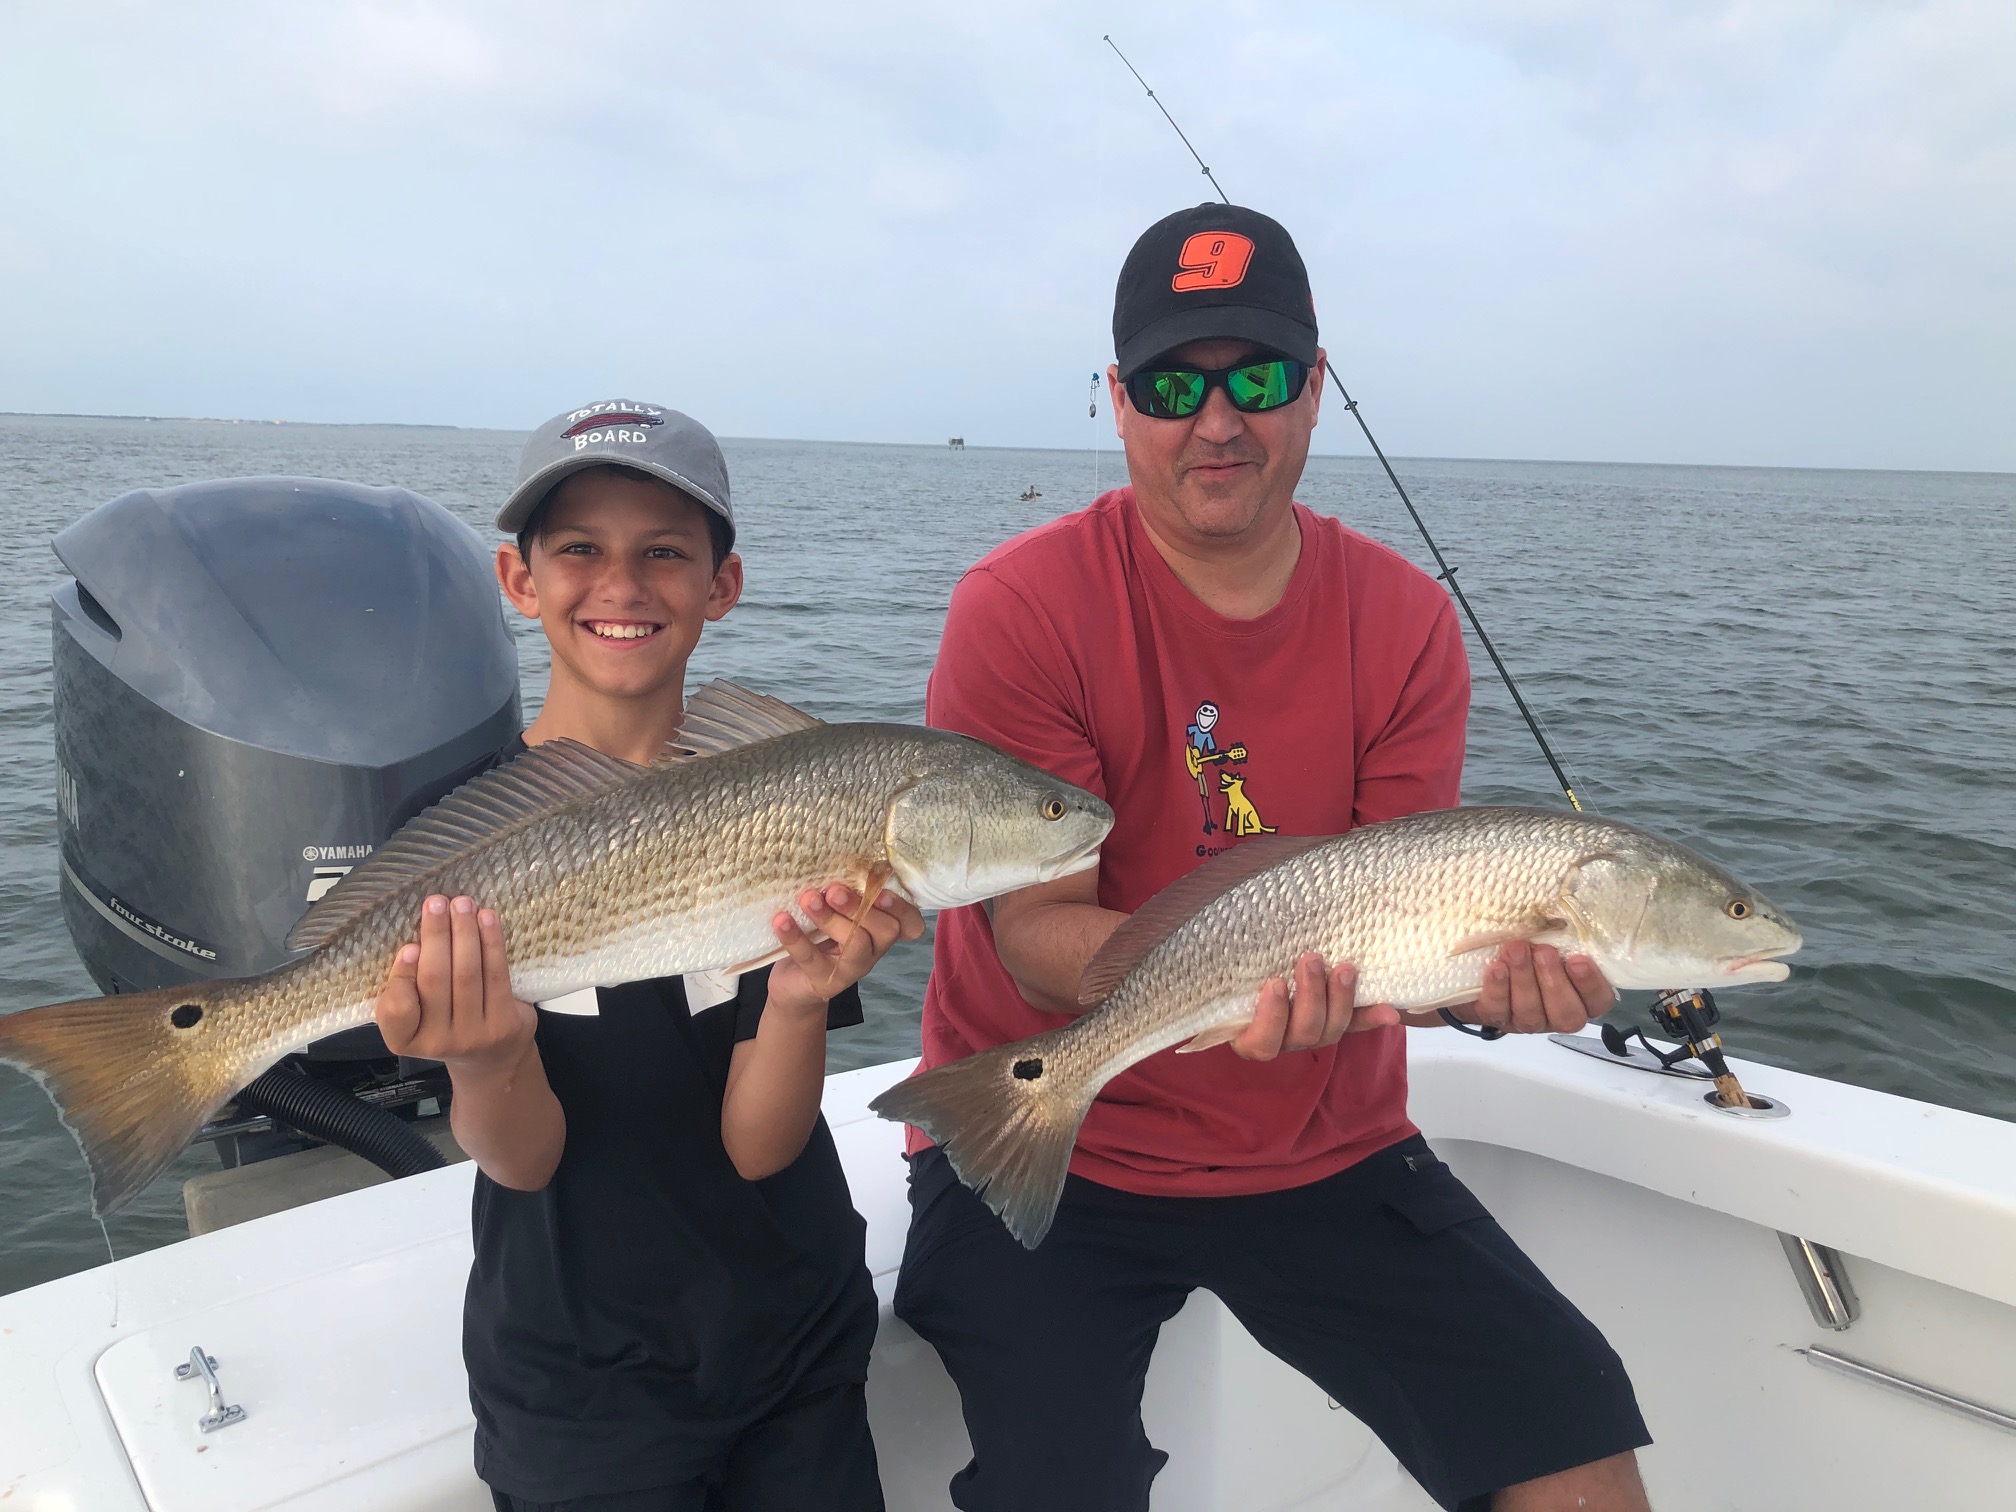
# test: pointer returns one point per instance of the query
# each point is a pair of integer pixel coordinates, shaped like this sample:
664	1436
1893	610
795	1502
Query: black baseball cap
1213	272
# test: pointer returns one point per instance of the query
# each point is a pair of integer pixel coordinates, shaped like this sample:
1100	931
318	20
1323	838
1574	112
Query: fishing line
111	1270
1445	573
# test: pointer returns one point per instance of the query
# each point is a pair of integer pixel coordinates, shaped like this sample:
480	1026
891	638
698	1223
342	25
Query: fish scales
601	873
1393	901
1419	905
716	845
586	892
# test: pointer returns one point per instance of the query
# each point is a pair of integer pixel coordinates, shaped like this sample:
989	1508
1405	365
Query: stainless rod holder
1823	1279
222	1414
1905	1386
1757	1106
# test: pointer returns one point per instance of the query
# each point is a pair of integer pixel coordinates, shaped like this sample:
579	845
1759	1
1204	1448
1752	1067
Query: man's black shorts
1388	1285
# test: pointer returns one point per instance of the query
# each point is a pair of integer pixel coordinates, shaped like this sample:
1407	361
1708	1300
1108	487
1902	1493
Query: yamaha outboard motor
256	681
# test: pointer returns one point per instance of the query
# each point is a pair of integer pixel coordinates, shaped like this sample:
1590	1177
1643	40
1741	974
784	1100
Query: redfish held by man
601	871
1420	905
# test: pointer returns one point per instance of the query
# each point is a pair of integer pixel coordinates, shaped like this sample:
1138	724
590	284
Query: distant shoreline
1112	450
233	420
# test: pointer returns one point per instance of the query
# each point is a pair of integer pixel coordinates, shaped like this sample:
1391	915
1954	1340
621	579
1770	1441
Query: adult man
1289	1184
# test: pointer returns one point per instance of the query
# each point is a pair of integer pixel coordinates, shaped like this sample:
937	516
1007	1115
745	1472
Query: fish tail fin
1006	1119
126	1077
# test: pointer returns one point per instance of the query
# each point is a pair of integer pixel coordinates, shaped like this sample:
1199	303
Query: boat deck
336	1326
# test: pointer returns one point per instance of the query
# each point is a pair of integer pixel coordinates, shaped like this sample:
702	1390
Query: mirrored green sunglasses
1178	393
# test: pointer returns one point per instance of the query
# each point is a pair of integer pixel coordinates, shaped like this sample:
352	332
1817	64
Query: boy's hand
811	974
449	999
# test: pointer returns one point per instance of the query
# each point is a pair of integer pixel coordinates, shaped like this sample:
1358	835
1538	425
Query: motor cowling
256	681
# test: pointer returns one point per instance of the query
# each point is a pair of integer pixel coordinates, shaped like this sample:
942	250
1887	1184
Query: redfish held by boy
601	871
1420	905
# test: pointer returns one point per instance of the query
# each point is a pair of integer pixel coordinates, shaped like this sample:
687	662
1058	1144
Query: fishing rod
1445	572
1690	1016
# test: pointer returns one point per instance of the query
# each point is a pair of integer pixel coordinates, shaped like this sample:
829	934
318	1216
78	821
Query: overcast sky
1762	232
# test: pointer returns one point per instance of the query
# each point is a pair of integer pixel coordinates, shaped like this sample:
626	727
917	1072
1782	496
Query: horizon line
1364	456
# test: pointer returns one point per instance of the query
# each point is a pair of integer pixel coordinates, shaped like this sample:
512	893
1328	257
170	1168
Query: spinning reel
1688	1015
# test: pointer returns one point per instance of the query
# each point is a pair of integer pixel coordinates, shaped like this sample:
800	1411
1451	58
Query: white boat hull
337	1326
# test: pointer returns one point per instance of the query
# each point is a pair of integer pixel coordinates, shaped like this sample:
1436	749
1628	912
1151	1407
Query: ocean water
1811	676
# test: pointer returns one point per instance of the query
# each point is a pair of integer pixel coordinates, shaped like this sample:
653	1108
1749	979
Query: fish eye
1737	908
1053	808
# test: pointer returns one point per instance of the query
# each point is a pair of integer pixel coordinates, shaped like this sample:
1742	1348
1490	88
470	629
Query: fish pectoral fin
870	889
1538	927
815	934
1218	1034
1451	999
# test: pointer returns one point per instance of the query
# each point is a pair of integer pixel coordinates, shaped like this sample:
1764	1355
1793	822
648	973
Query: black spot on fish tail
1007	1120
130	1077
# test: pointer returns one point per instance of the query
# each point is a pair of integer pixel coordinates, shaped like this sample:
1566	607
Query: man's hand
1534	989
449	999
1320	1013
813	973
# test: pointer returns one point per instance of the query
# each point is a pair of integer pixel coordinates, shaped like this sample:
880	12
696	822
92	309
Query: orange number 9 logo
1212	260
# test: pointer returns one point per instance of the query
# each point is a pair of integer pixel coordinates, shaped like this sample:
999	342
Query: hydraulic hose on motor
330	1114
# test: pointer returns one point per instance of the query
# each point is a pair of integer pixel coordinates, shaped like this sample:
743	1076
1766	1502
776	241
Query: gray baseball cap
659	442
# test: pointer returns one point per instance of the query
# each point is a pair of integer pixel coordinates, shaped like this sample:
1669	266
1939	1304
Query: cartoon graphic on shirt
1241	818
1200	754
1201	739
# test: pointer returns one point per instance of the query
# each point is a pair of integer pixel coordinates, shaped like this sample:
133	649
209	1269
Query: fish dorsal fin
723	716
1158	918
535	783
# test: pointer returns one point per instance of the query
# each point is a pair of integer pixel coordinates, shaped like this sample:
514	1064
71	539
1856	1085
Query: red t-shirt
1075	647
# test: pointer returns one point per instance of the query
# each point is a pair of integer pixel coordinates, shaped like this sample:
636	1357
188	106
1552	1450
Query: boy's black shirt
627	1321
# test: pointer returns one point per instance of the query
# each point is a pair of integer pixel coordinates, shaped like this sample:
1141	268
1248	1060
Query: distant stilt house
957	443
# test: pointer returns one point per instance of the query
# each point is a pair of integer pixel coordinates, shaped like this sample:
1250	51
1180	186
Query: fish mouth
1758	968
1083	859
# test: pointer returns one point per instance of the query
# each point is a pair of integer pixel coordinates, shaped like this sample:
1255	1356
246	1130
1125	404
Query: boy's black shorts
1388	1285
814	1452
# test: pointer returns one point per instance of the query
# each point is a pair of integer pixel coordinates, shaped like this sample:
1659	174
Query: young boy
669	1308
